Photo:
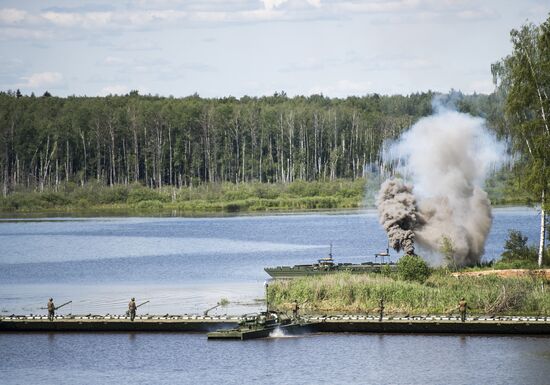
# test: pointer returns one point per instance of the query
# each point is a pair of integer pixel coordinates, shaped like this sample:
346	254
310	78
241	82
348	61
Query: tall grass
438	295
213	197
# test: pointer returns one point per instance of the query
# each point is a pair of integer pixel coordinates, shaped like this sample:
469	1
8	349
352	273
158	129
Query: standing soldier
295	309
462	307
51	309
132	309
381	309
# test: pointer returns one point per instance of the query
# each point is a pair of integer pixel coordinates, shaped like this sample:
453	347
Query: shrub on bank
519	255
139	194
153	204
229	197
21	201
413	268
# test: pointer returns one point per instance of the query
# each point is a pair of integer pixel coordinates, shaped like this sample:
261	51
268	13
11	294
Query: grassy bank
438	295
223	197
206	198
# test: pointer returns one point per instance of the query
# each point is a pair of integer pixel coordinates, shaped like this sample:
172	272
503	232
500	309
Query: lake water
185	265
315	359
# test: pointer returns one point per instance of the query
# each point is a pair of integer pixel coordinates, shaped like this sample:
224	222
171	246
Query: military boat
327	265
260	325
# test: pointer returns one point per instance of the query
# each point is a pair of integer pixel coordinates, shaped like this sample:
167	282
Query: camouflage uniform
132	309
51	309
381	309
462	306
295	309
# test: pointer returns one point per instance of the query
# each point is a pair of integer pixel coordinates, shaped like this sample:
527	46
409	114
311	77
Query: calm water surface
186	265
317	359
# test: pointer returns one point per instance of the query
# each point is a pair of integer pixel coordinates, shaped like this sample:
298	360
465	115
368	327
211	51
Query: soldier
295	309
381	309
51	309
132	309
462	307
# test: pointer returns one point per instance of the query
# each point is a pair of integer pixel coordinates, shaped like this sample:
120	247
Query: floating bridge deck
318	324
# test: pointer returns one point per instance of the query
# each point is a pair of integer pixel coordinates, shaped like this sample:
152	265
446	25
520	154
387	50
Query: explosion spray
446	156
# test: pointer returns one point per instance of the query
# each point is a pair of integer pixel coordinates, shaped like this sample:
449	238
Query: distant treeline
157	141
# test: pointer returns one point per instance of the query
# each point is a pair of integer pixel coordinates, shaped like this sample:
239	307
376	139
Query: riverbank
134	199
439	294
206	198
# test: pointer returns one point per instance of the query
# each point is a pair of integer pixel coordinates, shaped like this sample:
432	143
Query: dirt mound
508	273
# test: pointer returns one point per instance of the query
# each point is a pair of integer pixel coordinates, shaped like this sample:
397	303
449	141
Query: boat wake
279	333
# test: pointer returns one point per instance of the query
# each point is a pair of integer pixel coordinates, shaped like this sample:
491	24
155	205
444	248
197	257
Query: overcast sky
256	47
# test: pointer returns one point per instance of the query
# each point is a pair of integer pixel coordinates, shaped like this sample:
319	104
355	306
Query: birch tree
524	78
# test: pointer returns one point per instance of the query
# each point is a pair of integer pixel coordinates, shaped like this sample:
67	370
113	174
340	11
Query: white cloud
42	79
12	15
111	19
378	6
271	4
154	16
86	19
314	3
241	11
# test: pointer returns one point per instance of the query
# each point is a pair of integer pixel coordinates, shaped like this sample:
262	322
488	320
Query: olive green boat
327	265
260	325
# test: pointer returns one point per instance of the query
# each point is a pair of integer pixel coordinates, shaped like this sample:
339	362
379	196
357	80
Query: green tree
447	249
413	268
523	78
515	247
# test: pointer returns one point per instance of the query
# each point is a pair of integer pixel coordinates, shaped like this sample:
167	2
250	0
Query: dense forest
156	141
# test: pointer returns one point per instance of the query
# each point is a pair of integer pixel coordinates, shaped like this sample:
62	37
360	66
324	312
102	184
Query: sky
219	48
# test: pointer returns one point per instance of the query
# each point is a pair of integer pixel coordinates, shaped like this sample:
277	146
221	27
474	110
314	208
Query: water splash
279	333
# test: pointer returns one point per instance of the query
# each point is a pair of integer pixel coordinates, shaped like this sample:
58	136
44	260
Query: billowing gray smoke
446	157
397	208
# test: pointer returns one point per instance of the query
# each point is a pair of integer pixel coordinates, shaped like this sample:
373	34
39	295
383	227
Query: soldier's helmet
51	299
133	299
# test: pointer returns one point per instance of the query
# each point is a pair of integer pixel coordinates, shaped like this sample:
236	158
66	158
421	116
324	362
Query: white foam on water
280	333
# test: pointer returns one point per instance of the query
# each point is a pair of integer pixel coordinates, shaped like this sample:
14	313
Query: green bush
516	264
115	194
140	194
301	189
413	268
386	271
266	191
516	248
149	205
53	199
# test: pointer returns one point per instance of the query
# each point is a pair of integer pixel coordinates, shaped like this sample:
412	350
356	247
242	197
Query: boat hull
248	334
288	272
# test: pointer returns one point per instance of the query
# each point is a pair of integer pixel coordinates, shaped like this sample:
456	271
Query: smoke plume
446	157
397	208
